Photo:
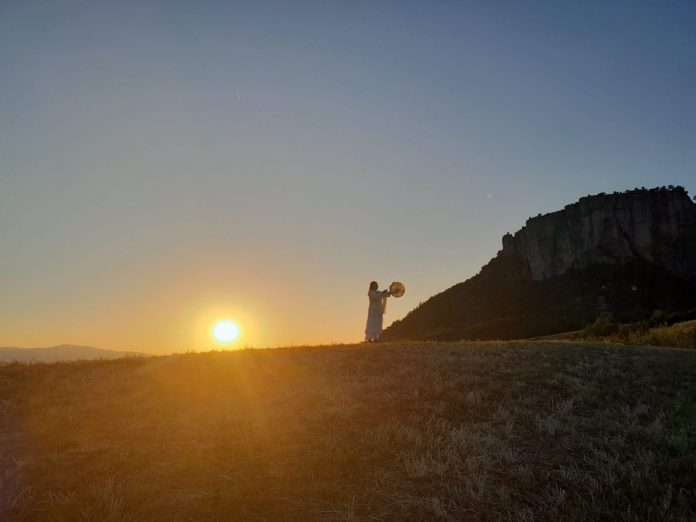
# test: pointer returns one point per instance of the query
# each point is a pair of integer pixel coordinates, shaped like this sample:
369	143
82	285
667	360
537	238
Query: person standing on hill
375	313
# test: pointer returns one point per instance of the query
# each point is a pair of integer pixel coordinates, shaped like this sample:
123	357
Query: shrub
604	325
658	318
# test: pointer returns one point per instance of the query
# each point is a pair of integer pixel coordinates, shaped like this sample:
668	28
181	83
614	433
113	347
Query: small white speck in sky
489	196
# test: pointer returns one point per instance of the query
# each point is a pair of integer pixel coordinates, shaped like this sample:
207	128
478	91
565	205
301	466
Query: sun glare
225	331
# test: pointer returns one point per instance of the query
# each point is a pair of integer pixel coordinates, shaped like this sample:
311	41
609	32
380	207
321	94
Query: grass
431	431
679	334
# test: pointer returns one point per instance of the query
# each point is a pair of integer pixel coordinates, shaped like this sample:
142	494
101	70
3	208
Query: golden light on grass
465	431
226	331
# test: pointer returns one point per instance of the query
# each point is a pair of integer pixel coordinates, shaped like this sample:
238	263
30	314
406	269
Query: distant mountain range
63	352
628	253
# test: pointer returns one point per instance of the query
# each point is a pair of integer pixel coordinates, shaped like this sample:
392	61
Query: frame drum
397	289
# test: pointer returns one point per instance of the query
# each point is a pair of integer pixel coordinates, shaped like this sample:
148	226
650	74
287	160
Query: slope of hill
628	254
63	352
436	431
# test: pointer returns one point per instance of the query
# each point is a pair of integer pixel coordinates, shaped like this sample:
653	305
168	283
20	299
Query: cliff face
626	253
657	226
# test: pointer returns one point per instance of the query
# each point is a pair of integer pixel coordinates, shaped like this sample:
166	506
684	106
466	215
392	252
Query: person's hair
373	286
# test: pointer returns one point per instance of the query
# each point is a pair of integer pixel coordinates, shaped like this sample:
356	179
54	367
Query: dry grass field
442	431
680	334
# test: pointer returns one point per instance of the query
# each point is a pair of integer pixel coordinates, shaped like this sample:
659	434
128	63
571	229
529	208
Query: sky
164	165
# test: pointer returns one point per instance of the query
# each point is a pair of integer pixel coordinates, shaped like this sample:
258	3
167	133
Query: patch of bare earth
462	431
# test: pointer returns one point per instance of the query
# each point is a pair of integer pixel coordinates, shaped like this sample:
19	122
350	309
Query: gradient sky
163	164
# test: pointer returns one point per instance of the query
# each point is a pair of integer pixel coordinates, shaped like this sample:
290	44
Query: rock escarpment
657	226
626	253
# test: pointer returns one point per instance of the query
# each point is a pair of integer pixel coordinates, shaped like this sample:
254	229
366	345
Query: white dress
375	313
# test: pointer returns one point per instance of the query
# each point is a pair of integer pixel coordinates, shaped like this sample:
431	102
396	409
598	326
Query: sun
225	331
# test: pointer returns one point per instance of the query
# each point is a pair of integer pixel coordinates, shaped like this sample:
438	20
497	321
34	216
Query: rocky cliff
627	253
657	226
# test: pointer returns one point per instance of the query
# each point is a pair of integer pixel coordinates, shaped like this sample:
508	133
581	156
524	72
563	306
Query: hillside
434	431
63	352
626	253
